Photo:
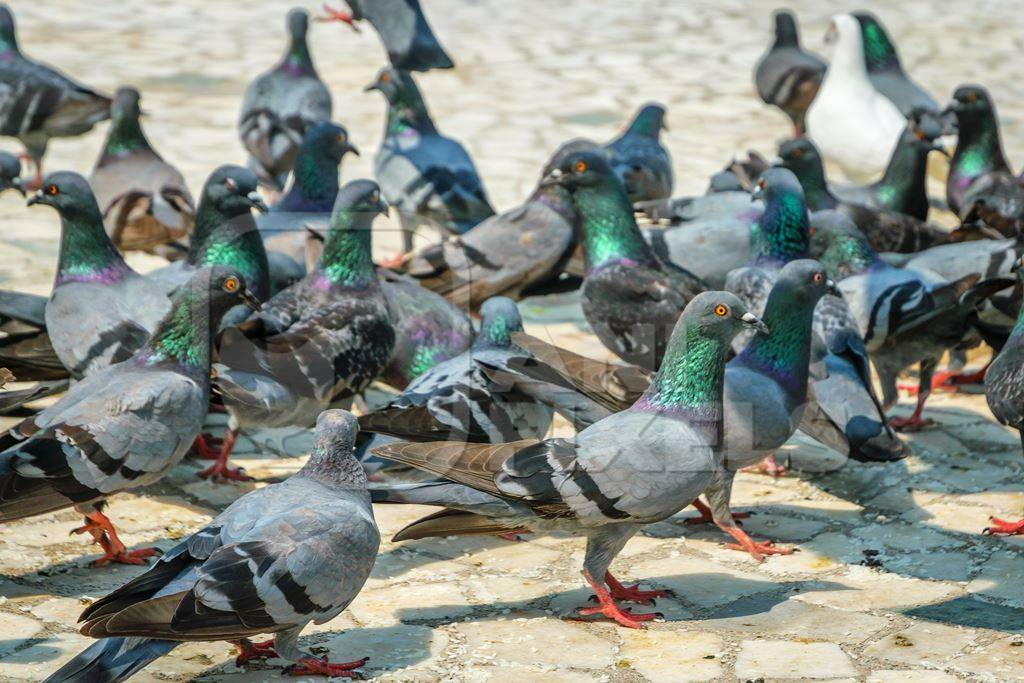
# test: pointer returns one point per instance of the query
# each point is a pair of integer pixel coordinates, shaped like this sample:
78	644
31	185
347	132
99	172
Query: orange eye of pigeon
818	277
52	190
919	134
375	197
231	284
797	153
340	138
761	183
721	310
971	97
384	78
580	166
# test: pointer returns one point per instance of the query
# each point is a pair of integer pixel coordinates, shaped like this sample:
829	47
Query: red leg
321	667
339	15
219	470
631	593
513	535
767	466
248	650
915	422
705	514
103	533
395	262
207	447
757	549
609	609
1003	527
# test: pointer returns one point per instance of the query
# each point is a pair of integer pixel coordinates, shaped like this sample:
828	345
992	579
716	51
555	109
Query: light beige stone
924	644
783	659
536	641
16	629
669	656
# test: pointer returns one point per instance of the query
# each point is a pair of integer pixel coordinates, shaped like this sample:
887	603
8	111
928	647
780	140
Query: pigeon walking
633	468
403	29
639	159
124	426
275	560
423	174
144	200
280	104
788	76
38	102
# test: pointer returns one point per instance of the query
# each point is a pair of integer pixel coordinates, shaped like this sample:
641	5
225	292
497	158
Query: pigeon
225	234
639	159
739	175
425	175
403	29
307	203
980	185
852	123
629	297
144	200
100	310
514	254
38	102
10	173
902	188
885	71
324	338
124	426
905	316
280	104
886	230
428	329
786	75
277	559
25	348
636	467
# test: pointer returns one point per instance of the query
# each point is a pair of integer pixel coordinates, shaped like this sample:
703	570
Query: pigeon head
232	191
125	134
785	224
227	289
499	318
69	193
803	160
805	280
718	314
971	103
879	50
583	168
844	36
925	128
397	86
10	170
649	121
8	37
786	34
126	104
328	140
331	461
840	246
297	23
346	258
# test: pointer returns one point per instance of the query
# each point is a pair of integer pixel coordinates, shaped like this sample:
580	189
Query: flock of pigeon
740	316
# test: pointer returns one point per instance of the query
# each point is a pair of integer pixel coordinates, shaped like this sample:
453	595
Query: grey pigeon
324	338
38	102
980	185
787	76
629	297
25	347
886	230
124	426
634	468
885	71
280	104
639	159
100	311
425	175
144	200
10	173
275	560
403	29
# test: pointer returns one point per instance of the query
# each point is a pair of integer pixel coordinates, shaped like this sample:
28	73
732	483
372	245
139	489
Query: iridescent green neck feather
879	53
691	375
234	241
407	109
610	233
785	353
347	260
496	331
979	148
297	60
848	255
183	336
125	136
316	176
811	174
86	252
784	229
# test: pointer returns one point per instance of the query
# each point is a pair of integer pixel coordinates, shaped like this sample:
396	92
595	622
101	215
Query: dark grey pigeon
787	76
885	71
10	173
100	311
639	159
124	426
144	200
633	468
275	560
325	338
280	104
403	29
38	102
425	175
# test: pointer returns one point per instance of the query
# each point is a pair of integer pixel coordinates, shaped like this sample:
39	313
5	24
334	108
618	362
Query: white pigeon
853	125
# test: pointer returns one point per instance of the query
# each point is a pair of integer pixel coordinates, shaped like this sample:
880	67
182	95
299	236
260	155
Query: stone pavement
893	581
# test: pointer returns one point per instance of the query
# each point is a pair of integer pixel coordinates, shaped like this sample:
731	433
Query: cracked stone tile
1001	660
657	656
1002	576
796	620
924	644
411	602
551	642
783	659
862	588
933	565
702	582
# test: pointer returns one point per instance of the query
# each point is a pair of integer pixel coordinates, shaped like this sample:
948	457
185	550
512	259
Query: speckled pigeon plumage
280	104
601	484
638	157
787	76
403	30
885	71
38	102
277	559
886	230
1004	381
629	297
425	175
123	426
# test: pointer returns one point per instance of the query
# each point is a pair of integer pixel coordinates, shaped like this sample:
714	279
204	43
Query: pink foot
767	466
631	593
707	518
757	549
609	609
248	650
914	423
1002	527
207	447
321	667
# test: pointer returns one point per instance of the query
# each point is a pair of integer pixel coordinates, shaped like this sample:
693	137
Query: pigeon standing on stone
425	175
980	184
886	230
144	200
100	310
629	297
788	76
38	102
639	159
631	469
852	123
275	560
403	29
325	338
280	104
124	426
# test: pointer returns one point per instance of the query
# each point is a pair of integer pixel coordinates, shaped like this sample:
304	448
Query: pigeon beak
349	147
552	178
37	198
371	87
832	288
755	322
951	108
382	207
18	185
250	300
938	147
757	193
257	202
